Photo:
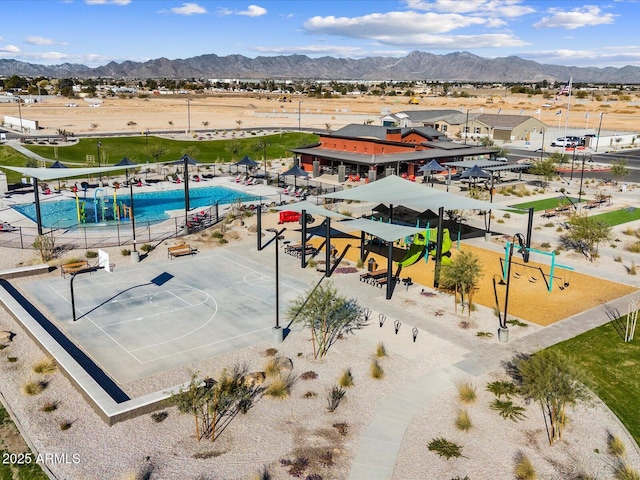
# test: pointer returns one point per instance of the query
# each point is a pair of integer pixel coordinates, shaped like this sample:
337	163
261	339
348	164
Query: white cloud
586	16
223	12
500	8
332	50
107	2
35	40
189	9
253	11
9	49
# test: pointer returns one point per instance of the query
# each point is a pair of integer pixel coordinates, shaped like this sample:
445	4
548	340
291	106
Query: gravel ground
274	430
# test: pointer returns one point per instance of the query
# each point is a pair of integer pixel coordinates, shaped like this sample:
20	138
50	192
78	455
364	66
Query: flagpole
566	122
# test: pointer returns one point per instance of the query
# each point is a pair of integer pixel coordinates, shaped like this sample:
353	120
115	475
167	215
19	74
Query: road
632	156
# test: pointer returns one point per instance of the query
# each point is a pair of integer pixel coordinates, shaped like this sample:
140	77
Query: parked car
502	159
563	142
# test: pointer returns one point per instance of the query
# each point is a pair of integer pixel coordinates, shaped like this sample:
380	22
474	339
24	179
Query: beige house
504	127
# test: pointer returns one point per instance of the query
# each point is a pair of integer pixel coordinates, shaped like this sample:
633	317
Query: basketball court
141	320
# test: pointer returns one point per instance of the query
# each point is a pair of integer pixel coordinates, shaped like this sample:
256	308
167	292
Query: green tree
559	158
619	170
551	379
586	234
545	169
462	276
234	148
327	314
156	151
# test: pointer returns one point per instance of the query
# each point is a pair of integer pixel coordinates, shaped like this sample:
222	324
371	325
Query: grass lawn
544	204
9	470
114	149
618	217
612	366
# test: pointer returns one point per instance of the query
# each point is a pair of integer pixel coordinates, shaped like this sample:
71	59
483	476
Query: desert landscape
276	433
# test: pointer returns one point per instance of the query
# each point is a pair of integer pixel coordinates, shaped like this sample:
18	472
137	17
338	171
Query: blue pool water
149	206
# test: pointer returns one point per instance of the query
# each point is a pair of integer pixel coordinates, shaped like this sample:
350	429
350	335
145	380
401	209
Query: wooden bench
550	212
71	268
180	250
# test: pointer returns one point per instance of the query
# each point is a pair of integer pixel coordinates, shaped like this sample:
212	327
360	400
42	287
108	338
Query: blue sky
95	32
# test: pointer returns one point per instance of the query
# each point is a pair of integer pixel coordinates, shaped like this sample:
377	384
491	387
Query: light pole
599	127
503	330
573	159
466	128
146	143
100	174
584	157
299	103
264	145
188	115
277	330
542	149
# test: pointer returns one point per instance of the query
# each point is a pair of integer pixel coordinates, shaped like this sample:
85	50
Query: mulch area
529	298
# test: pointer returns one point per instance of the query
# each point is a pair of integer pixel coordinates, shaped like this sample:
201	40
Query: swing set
529	271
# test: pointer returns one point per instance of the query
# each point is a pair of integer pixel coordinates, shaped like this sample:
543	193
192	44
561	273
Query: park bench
71	268
179	250
550	212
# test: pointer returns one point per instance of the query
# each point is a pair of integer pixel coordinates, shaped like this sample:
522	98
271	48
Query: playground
529	295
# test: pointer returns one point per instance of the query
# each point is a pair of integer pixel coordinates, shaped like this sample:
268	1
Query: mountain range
417	65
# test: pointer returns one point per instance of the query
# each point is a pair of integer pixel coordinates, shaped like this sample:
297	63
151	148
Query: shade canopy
46	174
125	162
246	161
393	190
475	172
57	164
432	166
296	171
189	160
389	232
312	209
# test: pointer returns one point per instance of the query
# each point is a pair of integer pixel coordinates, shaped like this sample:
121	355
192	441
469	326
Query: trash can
372	265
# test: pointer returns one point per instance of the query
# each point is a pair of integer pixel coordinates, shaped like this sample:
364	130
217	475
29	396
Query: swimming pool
149	206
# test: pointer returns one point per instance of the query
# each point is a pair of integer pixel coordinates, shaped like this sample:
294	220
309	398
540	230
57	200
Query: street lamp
264	158
278	333
188	115
599	127
584	157
466	127
146	143
100	174
542	149
299	103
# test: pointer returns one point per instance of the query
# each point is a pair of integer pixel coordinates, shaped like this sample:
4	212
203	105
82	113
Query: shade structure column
389	269
258	225
439	239
37	198
329	268
303	257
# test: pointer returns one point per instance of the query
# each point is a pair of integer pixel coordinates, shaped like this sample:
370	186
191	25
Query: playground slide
416	252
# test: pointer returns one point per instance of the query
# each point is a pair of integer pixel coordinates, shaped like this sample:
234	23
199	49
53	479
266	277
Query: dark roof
501	121
379	132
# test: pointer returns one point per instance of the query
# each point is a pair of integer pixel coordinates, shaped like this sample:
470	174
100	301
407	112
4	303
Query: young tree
328	316
586	234
545	169
156	151
462	275
551	380
234	147
214	404
619	170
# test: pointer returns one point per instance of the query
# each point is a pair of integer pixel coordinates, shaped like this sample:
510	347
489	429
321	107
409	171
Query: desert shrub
507	409
381	351
275	366
615	446
517	323
46	367
310	394
334	397
376	370
463	420
222	241
280	387
12	359
65	425
500	388
271	352
310	375
91	254
342	428
622	471
346	379
524	470
33	387
506	215
445	448
618	259
217	235
632	268
633	248
484	334
296	467
466	391
159	416
545	245
125	252
146	248
50	407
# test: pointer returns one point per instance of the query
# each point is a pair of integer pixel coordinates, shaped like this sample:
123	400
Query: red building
374	151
